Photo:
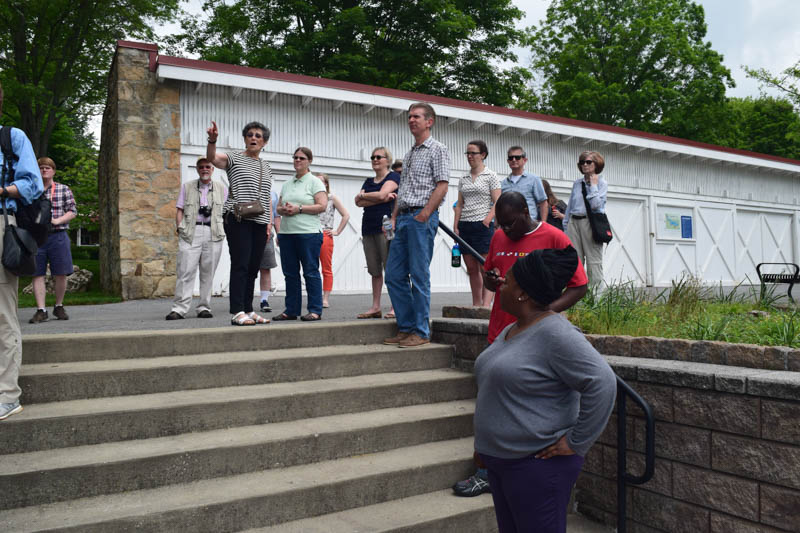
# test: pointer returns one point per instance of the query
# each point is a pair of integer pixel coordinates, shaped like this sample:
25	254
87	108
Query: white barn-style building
675	206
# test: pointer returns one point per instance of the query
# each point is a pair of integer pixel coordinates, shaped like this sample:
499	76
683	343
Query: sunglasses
253	134
515	157
472	153
377	157
585	162
299	158
205	166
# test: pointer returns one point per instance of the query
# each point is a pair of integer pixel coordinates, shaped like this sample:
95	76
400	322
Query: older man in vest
198	216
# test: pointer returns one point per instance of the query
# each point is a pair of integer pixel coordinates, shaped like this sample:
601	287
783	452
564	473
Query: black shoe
60	313
472	486
265	306
205	313
174	316
39	316
284	316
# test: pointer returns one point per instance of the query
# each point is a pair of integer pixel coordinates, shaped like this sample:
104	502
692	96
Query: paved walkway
149	314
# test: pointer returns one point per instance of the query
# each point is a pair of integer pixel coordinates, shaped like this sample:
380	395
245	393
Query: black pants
246	241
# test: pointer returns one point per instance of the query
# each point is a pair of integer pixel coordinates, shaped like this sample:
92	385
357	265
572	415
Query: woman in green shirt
302	199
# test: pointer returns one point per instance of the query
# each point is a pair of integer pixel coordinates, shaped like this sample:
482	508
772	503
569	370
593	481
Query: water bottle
387	227
455	262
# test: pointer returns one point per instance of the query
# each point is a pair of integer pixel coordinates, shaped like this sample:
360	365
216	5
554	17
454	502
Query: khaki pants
591	253
10	335
204	254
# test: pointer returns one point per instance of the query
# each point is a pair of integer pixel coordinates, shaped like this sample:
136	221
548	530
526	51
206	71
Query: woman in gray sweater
544	397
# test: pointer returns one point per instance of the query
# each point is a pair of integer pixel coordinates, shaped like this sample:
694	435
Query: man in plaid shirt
57	248
423	186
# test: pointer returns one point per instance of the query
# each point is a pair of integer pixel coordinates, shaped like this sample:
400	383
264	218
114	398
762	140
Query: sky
755	33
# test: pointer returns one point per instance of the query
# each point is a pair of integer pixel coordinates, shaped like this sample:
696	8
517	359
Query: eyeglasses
205	166
515	157
299	158
585	162
254	134
377	157
472	153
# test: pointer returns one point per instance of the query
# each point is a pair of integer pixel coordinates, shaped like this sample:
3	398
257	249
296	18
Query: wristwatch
300	209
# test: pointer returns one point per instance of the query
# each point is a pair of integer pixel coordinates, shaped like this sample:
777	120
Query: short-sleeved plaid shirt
62	200
423	167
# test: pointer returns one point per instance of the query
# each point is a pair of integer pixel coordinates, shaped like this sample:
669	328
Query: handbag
19	249
601	229
253	208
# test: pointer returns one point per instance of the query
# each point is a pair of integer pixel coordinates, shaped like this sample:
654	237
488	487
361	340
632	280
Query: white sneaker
8	409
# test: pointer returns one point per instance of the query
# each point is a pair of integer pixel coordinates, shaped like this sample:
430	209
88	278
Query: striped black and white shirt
243	177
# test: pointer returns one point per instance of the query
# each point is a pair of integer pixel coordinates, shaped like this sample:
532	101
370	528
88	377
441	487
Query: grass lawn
690	311
94	295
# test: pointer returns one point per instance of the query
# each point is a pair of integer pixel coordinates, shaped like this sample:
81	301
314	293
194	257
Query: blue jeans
301	249
408	272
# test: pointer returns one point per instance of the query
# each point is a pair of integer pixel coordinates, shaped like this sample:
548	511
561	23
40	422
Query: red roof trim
138	46
370	89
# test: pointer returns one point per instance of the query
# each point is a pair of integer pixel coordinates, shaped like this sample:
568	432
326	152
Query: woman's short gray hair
257	126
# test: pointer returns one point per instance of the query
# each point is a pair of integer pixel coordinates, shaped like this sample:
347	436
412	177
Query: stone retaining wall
727	437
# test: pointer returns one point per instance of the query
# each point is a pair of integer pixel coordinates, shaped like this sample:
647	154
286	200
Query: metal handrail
623	391
623	477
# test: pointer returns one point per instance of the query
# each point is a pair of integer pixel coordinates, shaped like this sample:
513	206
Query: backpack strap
9	157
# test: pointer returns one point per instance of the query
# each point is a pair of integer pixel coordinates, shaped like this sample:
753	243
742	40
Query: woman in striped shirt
249	179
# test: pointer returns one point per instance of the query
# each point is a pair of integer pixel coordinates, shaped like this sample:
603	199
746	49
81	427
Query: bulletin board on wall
675	223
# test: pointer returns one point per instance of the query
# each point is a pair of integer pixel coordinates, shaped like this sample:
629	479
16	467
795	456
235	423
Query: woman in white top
328	233
474	214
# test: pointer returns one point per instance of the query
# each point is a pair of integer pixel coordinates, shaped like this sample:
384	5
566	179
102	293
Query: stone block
463	311
728	524
167	211
717	491
140	159
668	514
153	268
678	374
661	482
596	491
780	421
776	357
137	287
645	347
774	384
173	160
166	94
132	113
756	459
793	361
675	349
747	355
135	250
150	227
625	367
173	142
165	286
714	410
679	443
780	507
658	396
138	71
462	326
139	92
131	57
168	182
712	352
597	515
597	341
619	345
593	461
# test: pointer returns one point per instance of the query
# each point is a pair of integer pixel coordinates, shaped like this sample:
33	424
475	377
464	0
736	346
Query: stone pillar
139	177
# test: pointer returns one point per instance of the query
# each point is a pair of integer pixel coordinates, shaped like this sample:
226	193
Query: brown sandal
375	314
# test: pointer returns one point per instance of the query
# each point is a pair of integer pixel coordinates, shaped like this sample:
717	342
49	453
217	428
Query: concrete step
52	382
258	499
84	422
159	343
434	512
57	475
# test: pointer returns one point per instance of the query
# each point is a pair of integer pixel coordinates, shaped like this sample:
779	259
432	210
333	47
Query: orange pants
326	259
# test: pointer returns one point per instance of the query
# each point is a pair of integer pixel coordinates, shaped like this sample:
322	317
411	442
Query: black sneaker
472	486
60	313
39	316
174	316
265	306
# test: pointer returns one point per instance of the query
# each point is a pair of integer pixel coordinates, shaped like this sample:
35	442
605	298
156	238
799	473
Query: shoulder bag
601	229
253	208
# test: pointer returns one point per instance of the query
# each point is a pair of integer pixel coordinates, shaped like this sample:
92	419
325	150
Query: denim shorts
56	251
477	235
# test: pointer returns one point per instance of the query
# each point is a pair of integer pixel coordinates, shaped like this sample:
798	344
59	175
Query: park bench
781	277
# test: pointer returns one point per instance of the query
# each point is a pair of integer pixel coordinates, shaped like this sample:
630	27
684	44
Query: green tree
639	64
787	82
766	125
443	47
55	55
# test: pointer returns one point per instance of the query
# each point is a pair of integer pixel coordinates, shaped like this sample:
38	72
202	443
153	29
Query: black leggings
246	241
